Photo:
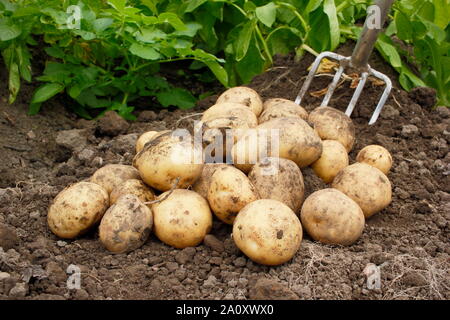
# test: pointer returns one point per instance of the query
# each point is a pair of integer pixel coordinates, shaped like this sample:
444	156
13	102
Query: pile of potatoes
170	191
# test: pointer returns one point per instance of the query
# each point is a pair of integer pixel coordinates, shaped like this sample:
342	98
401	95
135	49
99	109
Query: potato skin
126	225
132	186
366	185
230	190
182	219
144	138
201	186
334	158
243	95
230	110
268	232
333	124
279	179
281	108
76	209
111	175
376	156
329	216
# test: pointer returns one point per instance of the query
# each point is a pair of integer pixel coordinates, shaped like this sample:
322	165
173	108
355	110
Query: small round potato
334	158
126	225
329	216
333	124
230	190
76	209
366	185
182	219
246	96
279	179
201	186
282	108
111	175
132	186
376	156
268	232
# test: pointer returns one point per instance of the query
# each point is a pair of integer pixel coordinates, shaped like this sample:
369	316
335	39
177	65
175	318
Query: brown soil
409	240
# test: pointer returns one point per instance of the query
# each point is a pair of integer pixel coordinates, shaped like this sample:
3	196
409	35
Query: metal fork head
343	63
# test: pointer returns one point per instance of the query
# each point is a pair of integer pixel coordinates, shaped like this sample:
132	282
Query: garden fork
358	61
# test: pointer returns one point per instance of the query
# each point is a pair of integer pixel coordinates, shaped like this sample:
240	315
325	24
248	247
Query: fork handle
369	35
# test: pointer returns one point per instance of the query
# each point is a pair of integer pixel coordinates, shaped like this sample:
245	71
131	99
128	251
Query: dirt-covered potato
268	232
281	108
297	141
201	186
329	216
76	209
333	124
279	179
237	126
168	158
229	191
132	186
182	219
111	175
231	110
126	225
366	185
334	158
376	156
243	95
146	137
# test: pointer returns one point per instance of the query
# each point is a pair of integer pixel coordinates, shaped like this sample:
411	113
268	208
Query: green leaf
220	73
404	27
283	40
13	82
313	5
102	24
194	4
191	30
243	41
252	64
177	97
9	32
45	92
330	10
441	13
172	19
389	52
267	14
145	52
119	5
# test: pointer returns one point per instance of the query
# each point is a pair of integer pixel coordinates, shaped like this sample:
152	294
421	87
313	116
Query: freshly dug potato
146	137
329	216
334	158
237	125
376	156
268	232
243	95
282	108
167	158
333	124
111	175
297	142
182	219
126	225
231	110
279	179
201	186
366	185
132	186
229	191
76	209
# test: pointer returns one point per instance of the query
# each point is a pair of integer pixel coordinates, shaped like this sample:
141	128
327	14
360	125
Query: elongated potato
334	158
333	124
111	175
279	179
268	232
126	225
282	108
243	95
76	209
182	219
201	186
366	185
132	186
230	190
169	158
329	216
376	156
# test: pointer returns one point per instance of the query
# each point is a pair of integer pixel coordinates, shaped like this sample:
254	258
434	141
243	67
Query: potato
132	186
168	158
297	141
126	225
279	179
230	190
111	175
329	216
237	127
182	219
282	108
334	158
76	209
231	110
243	95
366	185
201	186
333	124
376	156
268	232
146	137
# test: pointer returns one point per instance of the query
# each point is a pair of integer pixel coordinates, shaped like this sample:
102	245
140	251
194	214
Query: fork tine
384	96
357	93
332	86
